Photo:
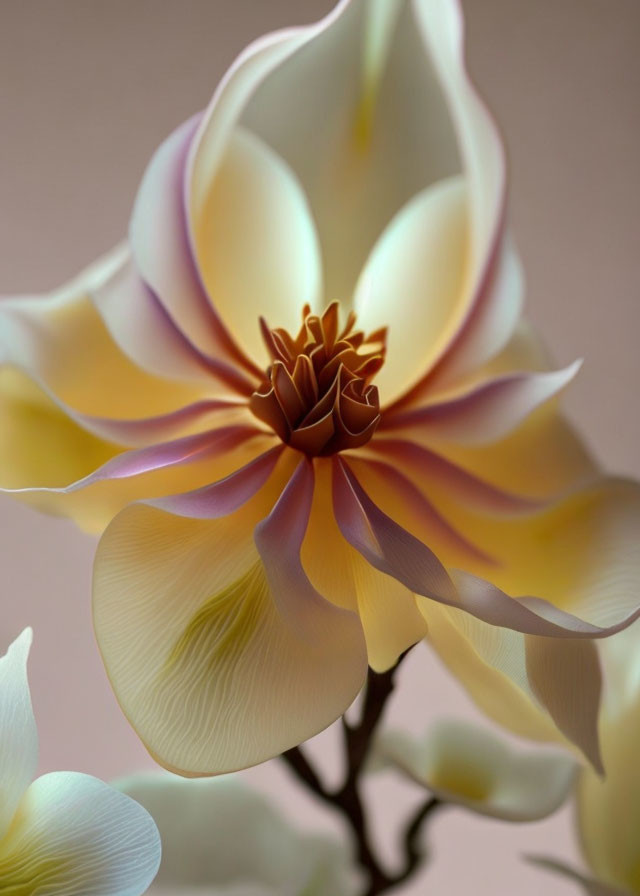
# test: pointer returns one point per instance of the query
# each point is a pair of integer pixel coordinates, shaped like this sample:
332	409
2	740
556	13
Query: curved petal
608	809
489	412
465	764
386	132
414	283
147	333
18	733
208	605
75	836
51	463
62	343
255	243
496	278
219	833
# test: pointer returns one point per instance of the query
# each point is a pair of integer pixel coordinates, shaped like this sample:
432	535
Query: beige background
88	88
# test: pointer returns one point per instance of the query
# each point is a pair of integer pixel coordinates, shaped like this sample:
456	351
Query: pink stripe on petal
147	334
462	485
279	538
150	429
412	497
394	551
489	412
225	496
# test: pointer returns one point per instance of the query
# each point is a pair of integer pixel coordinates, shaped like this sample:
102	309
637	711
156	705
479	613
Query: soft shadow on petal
18	733
465	764
385	130
75	836
222	679
61	341
415	282
255	243
219	834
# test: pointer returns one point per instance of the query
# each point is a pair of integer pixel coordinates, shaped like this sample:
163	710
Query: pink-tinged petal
136	462
386	132
61	341
205	666
144	330
390	619
406	495
393	550
162	250
255	244
567	679
431	470
489	412
225	496
198	415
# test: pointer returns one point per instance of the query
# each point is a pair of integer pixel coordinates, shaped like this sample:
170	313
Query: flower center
317	394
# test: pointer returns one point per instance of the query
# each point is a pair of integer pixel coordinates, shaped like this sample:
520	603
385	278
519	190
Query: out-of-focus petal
590	885
219	834
608	809
75	836
465	764
255	243
415	281
62	343
18	733
241	658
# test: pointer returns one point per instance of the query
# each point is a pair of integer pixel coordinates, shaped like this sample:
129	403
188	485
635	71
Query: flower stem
347	798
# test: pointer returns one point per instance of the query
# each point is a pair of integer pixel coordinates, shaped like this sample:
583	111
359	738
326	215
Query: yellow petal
204	664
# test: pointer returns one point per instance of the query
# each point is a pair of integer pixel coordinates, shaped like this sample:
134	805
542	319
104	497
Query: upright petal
255	243
18	733
75	836
241	659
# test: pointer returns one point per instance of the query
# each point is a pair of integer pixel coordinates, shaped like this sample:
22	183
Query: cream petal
415	283
18	733
255	243
385	136
496	278
488	412
465	764
61	341
75	836
608	809
219	834
209	618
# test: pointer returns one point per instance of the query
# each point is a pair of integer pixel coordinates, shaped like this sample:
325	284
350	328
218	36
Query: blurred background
89	88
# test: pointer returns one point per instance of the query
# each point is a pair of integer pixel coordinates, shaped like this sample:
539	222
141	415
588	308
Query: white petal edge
74	835
18	732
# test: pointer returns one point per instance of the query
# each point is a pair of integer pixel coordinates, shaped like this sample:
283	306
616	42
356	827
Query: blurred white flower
221	838
64	834
467	765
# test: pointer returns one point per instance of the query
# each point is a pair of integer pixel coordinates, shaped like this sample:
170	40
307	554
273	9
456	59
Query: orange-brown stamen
317	394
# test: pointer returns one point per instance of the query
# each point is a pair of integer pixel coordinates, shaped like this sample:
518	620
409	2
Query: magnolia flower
464	764
221	838
608	809
300	400
64	834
